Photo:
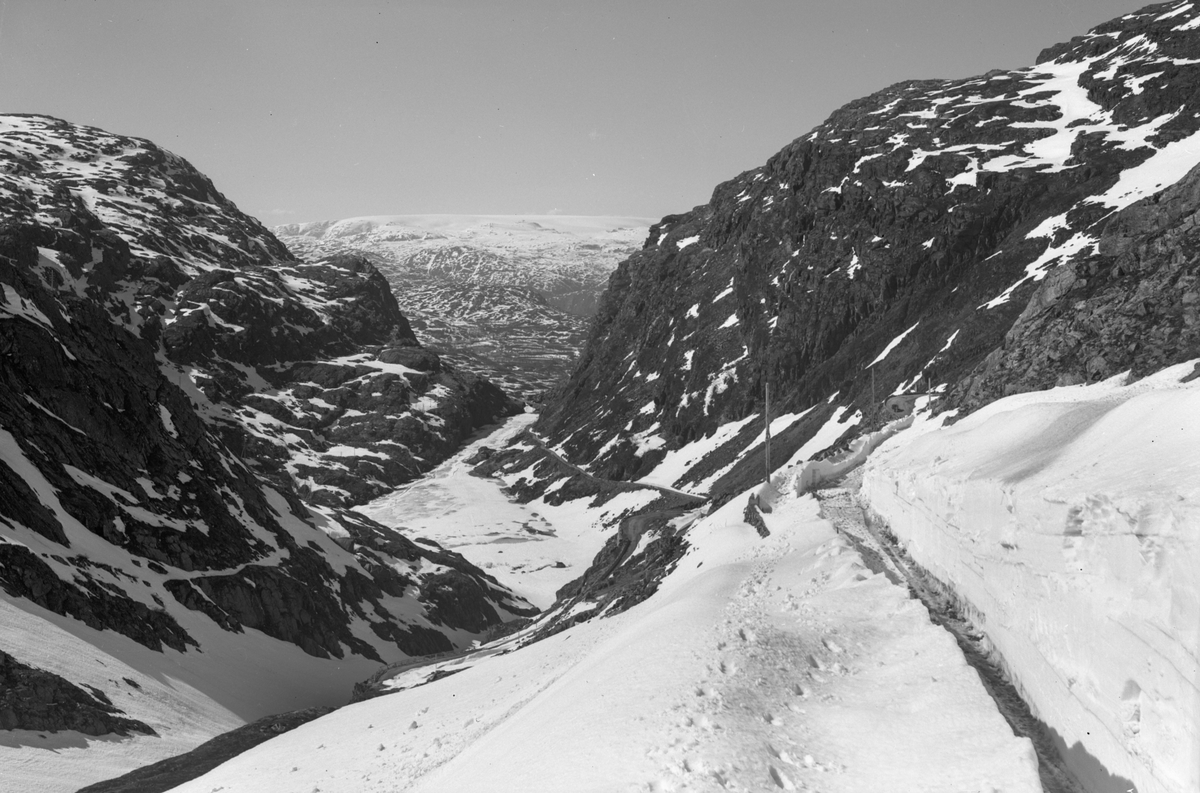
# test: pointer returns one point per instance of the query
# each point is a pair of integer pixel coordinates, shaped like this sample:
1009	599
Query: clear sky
318	109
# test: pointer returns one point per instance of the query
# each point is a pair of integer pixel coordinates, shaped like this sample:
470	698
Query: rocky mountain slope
507	296
185	411
975	237
936	246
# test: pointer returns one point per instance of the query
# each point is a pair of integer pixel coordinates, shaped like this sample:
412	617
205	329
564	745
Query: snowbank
1069	521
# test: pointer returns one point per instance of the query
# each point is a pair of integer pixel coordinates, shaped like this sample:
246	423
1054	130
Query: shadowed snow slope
1068	521
759	665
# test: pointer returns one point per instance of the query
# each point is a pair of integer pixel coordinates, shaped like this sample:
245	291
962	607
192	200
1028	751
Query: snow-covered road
777	664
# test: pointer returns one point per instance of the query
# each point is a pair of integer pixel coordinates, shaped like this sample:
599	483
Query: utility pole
767	421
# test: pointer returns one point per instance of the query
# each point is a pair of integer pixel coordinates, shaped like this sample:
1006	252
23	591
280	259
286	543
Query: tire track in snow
840	506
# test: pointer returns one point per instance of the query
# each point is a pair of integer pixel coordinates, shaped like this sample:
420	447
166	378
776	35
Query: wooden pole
767	422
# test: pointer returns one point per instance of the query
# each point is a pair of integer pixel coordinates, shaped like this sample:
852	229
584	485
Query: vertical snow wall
1068	523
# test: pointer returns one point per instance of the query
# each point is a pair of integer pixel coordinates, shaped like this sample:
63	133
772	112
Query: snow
1181	9
893	344
825	437
366	359
1039	267
675	466
533	548
776	664
950	341
40	762
1164	168
167	421
16	306
1048	227
1067	521
854	267
686	241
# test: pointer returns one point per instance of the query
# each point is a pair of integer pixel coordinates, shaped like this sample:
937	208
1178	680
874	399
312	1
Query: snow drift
1068	521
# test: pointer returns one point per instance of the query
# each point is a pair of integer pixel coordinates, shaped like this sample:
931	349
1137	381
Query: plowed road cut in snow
841	507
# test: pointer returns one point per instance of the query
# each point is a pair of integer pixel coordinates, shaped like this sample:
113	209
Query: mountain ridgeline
974	238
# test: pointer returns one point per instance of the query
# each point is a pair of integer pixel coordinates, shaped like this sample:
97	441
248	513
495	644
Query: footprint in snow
747	635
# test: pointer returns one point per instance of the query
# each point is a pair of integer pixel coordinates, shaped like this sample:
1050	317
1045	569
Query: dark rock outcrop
34	699
949	240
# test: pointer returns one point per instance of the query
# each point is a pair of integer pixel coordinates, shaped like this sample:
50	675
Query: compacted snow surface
776	664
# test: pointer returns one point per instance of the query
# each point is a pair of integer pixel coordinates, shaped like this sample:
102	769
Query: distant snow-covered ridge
508	296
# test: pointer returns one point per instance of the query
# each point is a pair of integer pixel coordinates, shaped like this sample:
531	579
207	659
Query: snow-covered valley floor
776	664
533	548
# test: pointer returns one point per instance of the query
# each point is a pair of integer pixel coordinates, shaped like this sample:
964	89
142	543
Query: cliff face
975	237
185	411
